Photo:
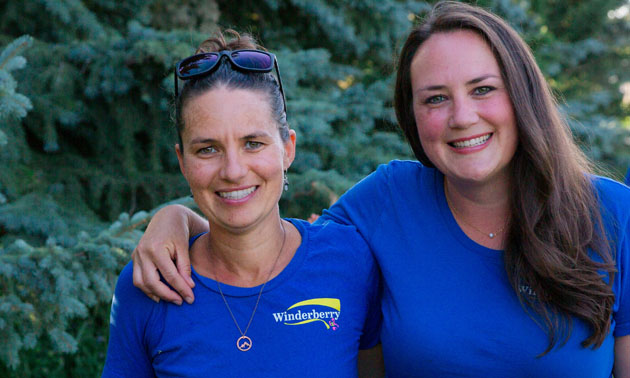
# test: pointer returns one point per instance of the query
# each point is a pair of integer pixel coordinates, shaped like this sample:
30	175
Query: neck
493	194
480	210
245	259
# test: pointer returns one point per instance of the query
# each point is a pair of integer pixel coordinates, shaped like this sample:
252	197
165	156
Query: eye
433	100
253	145
209	150
483	90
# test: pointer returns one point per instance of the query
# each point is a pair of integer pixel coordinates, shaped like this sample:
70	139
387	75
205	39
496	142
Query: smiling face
233	157
462	109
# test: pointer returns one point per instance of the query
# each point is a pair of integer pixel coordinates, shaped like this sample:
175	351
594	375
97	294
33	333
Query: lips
472	142
237	194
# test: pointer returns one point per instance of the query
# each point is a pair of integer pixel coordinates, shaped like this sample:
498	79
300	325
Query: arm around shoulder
164	248
362	204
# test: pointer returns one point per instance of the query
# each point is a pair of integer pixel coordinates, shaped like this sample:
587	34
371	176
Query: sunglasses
244	60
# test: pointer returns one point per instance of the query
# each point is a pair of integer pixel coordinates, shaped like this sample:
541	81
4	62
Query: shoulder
399	169
127	295
387	179
328	231
125	279
614	197
329	235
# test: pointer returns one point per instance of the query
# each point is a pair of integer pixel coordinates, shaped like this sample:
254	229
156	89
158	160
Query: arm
164	244
371	363
621	368
362	204
128	353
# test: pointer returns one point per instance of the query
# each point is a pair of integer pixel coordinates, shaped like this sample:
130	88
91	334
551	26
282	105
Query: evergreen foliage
86	131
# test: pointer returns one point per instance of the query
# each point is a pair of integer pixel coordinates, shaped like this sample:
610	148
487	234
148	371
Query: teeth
237	194
472	142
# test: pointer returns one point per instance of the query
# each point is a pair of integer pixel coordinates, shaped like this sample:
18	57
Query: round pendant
491	235
244	343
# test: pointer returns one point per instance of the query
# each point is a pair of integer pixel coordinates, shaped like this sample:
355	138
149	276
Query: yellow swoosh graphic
328	302
309	321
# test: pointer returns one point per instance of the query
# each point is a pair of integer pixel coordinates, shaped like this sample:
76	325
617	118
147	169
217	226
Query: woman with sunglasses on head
270	300
501	254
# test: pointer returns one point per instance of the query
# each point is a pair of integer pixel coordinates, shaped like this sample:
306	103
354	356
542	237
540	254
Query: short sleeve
127	354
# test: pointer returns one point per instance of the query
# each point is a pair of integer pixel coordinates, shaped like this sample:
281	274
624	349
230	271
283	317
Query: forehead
453	55
221	110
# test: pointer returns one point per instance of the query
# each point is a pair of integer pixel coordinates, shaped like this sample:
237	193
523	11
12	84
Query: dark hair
555	216
231	78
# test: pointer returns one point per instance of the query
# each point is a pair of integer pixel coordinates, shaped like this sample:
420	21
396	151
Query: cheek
430	123
500	112
198	174
269	166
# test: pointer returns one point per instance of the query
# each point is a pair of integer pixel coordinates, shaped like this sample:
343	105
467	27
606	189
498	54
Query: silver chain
284	238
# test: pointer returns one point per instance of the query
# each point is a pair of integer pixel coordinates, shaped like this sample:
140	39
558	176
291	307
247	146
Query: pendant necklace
491	235
244	343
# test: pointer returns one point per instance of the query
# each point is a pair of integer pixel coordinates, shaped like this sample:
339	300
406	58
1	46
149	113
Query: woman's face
463	112
233	157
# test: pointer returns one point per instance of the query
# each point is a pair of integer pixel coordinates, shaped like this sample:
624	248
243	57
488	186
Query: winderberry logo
325	310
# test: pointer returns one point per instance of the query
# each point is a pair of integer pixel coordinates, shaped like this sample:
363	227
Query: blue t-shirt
448	308
311	320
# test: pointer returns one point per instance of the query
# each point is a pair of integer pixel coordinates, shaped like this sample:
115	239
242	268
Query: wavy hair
555	243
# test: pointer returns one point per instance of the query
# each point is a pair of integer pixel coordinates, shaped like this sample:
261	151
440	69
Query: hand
621	368
370	362
164	249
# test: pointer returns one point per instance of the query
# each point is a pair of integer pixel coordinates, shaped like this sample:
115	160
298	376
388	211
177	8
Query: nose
463	112
234	167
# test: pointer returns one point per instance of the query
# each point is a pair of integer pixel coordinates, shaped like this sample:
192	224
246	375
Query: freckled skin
459	94
231	142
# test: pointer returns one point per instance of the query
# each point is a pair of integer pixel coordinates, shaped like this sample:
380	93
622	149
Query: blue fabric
448	308
628	177
199	340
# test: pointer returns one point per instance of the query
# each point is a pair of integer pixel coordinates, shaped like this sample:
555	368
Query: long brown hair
555	218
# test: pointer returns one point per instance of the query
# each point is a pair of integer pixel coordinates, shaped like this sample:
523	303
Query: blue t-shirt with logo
448	307
311	320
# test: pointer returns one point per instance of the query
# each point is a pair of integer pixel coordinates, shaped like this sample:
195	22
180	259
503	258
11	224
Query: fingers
146	276
170	273
160	289
138	279
151	271
182	259
165	240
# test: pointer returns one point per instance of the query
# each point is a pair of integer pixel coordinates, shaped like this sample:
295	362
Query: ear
289	149
180	158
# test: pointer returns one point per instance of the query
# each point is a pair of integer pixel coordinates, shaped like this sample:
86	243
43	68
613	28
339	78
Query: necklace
244	343
491	235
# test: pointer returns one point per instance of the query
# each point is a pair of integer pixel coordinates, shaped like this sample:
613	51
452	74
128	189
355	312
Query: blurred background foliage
86	138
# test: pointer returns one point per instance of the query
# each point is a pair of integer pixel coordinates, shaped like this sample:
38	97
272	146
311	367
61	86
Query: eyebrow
254	135
473	81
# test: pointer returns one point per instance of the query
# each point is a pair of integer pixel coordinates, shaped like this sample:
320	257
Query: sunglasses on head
244	60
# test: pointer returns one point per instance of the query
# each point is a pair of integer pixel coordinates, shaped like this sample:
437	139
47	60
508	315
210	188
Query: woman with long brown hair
502	254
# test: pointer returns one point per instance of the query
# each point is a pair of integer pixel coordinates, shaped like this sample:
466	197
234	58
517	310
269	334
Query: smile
471	142
237	194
